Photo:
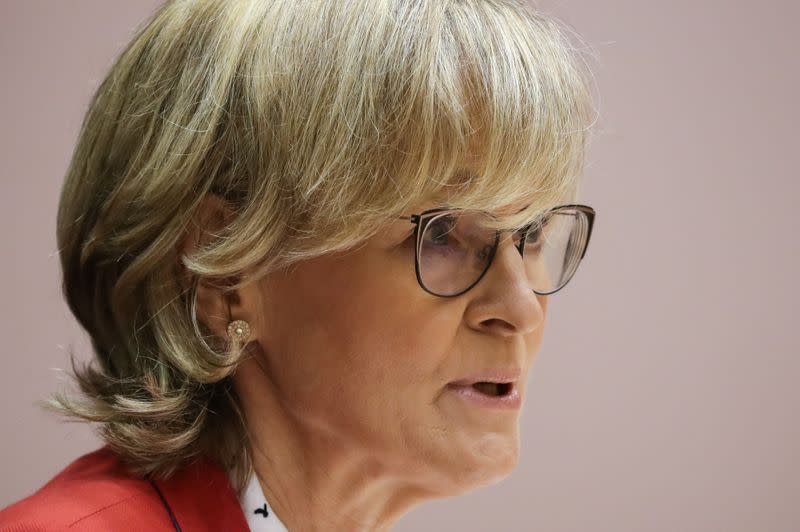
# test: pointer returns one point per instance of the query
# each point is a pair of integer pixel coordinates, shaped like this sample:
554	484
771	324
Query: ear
213	304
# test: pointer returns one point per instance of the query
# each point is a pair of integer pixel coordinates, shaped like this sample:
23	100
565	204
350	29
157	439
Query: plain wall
665	395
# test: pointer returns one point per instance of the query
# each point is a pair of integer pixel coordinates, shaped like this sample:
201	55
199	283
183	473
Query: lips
489	395
491	383
498	376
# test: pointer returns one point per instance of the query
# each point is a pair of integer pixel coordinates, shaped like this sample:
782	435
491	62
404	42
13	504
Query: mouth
495	395
493	389
497	382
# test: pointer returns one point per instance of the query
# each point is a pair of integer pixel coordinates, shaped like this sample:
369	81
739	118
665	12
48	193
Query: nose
503	302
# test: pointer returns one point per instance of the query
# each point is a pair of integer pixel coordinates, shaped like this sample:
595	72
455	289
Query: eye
533	236
438	230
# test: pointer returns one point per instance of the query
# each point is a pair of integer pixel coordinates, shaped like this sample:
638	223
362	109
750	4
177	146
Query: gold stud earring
238	330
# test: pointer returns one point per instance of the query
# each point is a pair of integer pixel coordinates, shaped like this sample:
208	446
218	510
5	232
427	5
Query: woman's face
356	349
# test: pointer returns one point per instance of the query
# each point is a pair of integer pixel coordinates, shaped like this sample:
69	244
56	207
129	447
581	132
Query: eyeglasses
454	249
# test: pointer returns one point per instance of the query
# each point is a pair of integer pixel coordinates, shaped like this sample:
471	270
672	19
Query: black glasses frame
421	221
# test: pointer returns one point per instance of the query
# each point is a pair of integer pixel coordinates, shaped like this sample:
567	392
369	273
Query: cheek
348	342
543	303
388	341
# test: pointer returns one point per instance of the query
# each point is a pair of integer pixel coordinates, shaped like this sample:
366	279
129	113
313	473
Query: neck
314	477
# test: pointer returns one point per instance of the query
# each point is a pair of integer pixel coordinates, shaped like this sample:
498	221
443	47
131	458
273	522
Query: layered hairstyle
318	122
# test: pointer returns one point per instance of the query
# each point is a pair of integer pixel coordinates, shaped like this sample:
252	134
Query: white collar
259	514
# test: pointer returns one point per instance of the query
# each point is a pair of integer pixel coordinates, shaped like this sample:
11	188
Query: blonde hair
318	121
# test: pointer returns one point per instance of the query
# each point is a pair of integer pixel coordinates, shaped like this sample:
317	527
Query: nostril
498	323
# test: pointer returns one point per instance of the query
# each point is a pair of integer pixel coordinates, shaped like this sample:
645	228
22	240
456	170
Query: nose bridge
505	303
507	266
506	252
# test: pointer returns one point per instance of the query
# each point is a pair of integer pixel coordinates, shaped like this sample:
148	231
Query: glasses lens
455	249
553	249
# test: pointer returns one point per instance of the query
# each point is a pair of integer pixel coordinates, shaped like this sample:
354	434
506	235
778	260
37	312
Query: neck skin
315	481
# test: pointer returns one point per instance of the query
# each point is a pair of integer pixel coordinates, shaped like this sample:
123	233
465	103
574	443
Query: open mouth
495	389
494	395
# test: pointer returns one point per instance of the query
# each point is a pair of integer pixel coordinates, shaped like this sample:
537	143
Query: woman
312	243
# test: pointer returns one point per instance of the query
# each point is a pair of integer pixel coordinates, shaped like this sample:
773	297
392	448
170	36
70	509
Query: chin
485	473
473	480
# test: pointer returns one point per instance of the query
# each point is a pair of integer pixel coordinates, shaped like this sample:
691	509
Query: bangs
343	119
506	94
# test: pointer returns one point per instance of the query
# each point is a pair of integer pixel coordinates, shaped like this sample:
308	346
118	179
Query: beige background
665	396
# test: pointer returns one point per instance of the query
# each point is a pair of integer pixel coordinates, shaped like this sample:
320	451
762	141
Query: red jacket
96	493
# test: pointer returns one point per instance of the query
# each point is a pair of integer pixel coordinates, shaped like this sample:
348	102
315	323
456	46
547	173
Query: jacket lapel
201	498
